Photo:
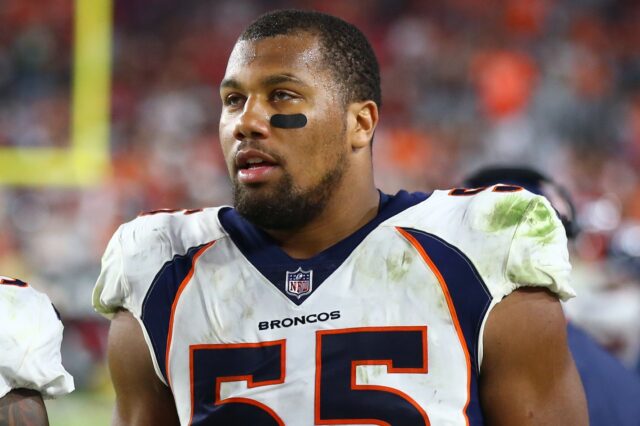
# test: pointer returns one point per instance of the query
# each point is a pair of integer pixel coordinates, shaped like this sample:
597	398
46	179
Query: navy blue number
12	281
341	400
507	188
473	191
259	364
467	191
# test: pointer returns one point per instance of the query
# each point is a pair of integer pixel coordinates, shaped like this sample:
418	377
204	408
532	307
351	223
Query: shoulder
486	213
139	249
169	228
27	316
512	236
487	209
159	236
493	209
30	338
19	301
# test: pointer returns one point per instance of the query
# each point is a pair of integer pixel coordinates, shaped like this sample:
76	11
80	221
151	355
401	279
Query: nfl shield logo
299	282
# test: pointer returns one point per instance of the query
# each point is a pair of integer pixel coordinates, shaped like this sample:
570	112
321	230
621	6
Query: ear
363	119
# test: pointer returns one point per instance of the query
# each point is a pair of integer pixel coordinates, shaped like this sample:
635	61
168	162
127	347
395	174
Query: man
612	391
30	365
319	300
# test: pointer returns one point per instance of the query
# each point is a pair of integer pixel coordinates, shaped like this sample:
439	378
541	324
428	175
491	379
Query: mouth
253	166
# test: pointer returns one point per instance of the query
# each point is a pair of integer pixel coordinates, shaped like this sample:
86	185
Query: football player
30	364
317	299
612	391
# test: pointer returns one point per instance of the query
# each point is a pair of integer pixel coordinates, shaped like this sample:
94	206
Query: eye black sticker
289	121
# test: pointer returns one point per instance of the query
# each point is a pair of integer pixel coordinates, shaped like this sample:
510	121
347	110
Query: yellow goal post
86	161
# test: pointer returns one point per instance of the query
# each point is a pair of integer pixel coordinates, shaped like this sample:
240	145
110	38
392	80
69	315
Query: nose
253	123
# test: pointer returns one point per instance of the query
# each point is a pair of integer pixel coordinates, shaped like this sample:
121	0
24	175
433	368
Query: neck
347	211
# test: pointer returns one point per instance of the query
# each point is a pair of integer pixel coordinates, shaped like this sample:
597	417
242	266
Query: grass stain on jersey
539	226
398	266
535	218
507	213
540	223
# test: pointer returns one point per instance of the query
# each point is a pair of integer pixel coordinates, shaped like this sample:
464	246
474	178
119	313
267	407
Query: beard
288	207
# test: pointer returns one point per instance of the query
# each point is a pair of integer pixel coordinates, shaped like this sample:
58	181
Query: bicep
23	407
141	398
528	375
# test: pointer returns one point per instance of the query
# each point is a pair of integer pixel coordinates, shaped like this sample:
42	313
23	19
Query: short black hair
347	52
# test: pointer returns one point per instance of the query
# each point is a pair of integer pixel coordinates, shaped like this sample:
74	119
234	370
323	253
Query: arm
23	407
528	376
141	398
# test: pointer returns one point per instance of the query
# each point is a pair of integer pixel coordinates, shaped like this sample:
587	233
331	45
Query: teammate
30	365
319	300
612	391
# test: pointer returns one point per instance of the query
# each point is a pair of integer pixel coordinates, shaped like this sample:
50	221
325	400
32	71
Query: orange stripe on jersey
183	284
452	310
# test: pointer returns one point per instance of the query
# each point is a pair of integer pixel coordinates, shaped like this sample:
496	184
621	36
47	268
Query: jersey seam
513	237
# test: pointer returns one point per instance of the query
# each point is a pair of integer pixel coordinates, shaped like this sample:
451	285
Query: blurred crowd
553	84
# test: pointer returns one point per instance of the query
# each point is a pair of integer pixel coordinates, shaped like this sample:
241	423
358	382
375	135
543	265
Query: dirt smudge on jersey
395	284
367	374
226	302
398	265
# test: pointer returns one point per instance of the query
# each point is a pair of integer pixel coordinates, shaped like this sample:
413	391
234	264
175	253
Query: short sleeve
538	255
30	337
111	290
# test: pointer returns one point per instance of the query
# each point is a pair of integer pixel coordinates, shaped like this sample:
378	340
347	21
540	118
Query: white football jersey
30	338
383	328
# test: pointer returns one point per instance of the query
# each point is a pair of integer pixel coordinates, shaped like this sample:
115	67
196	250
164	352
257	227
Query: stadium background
110	107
